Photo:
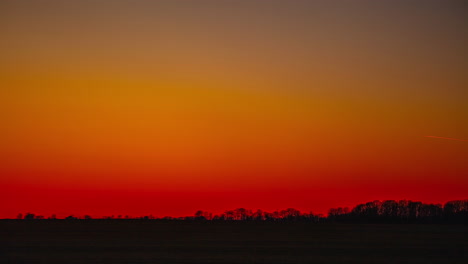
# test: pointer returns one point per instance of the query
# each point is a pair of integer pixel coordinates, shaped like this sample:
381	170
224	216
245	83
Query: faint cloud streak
447	138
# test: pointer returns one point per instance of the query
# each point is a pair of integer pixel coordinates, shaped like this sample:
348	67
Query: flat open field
121	241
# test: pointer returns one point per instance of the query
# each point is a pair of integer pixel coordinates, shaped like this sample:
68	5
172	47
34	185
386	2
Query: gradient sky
167	107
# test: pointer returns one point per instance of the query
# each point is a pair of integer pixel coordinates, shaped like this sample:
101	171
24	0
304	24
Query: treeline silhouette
389	211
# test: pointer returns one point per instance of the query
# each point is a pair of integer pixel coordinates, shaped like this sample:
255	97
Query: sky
168	107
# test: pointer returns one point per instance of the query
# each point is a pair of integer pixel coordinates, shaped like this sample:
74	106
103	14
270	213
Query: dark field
121	241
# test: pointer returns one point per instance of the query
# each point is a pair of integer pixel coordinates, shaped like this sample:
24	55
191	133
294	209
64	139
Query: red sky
167	107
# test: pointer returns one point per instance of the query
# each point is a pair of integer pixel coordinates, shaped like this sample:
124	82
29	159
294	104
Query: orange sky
166	107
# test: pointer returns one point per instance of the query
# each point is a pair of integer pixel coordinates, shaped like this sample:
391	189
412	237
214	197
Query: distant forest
389	211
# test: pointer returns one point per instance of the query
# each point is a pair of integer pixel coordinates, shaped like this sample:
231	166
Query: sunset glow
167	107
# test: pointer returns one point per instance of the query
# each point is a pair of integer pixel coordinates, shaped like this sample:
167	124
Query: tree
200	215
29	216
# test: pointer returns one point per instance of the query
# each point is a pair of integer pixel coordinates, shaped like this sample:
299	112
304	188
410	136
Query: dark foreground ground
188	242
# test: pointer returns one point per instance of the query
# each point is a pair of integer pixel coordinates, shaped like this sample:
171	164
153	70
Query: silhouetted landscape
374	232
223	131
389	211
